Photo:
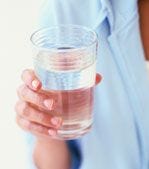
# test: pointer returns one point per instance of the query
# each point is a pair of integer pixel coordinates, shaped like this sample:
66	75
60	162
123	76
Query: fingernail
49	104
57	121
35	84
52	132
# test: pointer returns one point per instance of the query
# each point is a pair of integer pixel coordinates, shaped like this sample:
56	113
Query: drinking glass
65	63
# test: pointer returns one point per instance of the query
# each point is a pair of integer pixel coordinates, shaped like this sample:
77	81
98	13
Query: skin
33	104
32	116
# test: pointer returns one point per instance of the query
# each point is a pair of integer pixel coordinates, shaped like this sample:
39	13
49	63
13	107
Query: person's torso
119	137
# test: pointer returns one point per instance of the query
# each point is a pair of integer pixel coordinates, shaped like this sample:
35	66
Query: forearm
144	25
51	154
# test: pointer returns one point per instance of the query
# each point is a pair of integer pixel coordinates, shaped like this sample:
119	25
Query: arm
48	153
144	25
52	154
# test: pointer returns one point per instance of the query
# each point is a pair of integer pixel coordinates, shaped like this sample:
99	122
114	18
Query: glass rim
94	41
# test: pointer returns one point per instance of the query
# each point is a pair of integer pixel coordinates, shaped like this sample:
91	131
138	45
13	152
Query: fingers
29	78
98	79
25	110
38	99
35	128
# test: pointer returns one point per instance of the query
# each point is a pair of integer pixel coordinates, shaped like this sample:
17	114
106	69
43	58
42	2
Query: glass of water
65	62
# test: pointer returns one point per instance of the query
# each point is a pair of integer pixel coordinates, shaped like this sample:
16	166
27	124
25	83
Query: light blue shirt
119	138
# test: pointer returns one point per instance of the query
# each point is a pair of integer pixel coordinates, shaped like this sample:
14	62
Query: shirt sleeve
30	142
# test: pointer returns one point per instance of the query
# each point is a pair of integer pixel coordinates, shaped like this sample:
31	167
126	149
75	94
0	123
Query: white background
17	21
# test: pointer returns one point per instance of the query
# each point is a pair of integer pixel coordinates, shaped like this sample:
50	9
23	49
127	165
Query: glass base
70	132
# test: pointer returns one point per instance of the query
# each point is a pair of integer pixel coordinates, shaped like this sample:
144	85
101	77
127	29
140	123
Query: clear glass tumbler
65	62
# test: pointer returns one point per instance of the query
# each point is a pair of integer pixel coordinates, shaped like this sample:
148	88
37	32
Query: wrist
50	153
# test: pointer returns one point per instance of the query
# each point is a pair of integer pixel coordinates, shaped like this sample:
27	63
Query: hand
35	107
